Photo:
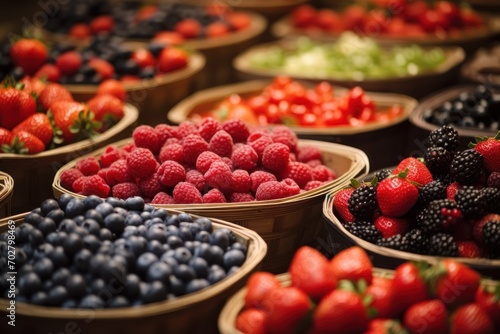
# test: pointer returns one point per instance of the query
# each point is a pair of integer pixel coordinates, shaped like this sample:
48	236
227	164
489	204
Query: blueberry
69	303
97	286
48	205
176	285
203	236
172	230
204	252
159	213
91	226
47	225
135	203
233	258
114	271
172	221
147	73
91	242
158	271
21	255
29	283
58	257
149	208
22	233
221	238
145	216
78	78
91	302
33	218
104	209
141	231
43	251
116	202
182	255
119	243
47	285
67	225
115	223
196	285
119	301
169	259
232	270
74	208
189	245
216	275
174	242
36	210
57	295
96	263
200	266
76	286
193	227
185	234
217	255
131	289
92	201
39	298
155	247
144	261
57	215
240	246
81	259
105	234
86	70
121	211
136	244
133	219
153	292
157	232
72	244
155	49
204	223
154	221
64	200
129	231
185	217
60	275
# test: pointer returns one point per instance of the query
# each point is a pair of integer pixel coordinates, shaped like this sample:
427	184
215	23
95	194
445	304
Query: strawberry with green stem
15	104
396	195
489	148
24	143
37	124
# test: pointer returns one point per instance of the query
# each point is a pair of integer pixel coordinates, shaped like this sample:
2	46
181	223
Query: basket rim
359	167
454	56
256	246
332	219
131	114
181	110
6	188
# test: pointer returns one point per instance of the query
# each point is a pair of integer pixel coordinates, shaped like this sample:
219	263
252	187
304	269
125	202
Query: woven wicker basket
6	192
285	224
193	313
227	318
33	174
384	257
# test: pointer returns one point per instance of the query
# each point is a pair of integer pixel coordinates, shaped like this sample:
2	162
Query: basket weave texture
6	192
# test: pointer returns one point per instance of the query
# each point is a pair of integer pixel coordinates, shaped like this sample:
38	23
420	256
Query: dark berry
494	180
433	190
446	137
119	301
144	261
91	302
362	203
57	295
395	242
39	298
467	167
383	174
33	219
81	260
74	208
57	215
182	255
47	225
29	283
153	292
491	234
200	266
158	271
135	203
174	242
157	232
48	205
184	272
64	200
133	219
58	257
438	215
72	244
176	285
196	285
76	286
438	160
205	224
132	289
60	276
92	201
115	223
471	202
492	199
106	234
364	230
233	258
216	275
415	241
220	238
442	244
104	209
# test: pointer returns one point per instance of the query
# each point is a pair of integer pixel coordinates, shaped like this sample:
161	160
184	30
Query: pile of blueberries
477	108
109	253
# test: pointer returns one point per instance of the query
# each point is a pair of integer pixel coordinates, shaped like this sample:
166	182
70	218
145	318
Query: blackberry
471	202
364	230
447	179
438	160
492	199
442	244
438	215
432	191
395	242
467	167
362	203
446	137
383	174
494	180
491	234
415	241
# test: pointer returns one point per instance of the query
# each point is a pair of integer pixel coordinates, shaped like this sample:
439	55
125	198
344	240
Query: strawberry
390	226
171	59
5	137
189	28
113	87
454	283
29	54
488	298
238	20
106	107
53	92
49	72
102	24
477	230
144	58
24	143
385	326
69	62
341	204
168	38
216	29
37	124
73	121
417	171
452	190
382	297
103	67
489	148
427	317
468	248
251	321
410	286
15	106
340	311
33	85
396	195
352	264
80	31
258	285
286	308
471	319
310	272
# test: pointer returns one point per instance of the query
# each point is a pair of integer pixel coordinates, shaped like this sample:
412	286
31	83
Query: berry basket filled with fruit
6	191
446	204
354	60
126	267
394	22
145	72
263	179
320	111
484	66
42	127
347	294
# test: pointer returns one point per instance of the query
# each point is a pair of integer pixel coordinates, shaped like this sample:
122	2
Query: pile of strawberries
36	116
344	295
209	162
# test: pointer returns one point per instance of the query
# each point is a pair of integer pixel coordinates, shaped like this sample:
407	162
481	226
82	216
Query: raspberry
95	185
323	173
205	159
260	144
141	163
88	166
186	193
237	129
241	197
452	190
103	172
151	185
163	198
257	134
270	190
313	185
171	173
125	190
221	144
284	135
290	187
165	132
145	136
208	128
172	141
228	162
245	157
78	184
173	152
109	156
127	148
193	146
313	163
299	172
308	153
276	157
214	196
187	128
118	172
241	181
195	177
259	177
219	176
494	180
69	176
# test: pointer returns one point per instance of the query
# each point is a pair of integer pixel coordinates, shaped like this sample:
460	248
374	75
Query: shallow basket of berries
121	266
213	169
445	205
483	66
347	294
6	191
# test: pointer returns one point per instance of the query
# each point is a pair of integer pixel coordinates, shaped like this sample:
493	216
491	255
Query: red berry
193	146
276	157
245	158
299	172
259	177
110	155
141	163
186	193
171	173
95	185
323	173
163	198
205	159
237	129
214	196
260	144
118	172
166	132
196	178
151	185
189	28
125	190
173	152
69	176
69	62
241	197
171	59
88	166
284	135
208	128
313	185
241	181
219	176
308	153
145	136
102	67
269	190
290	187
221	143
